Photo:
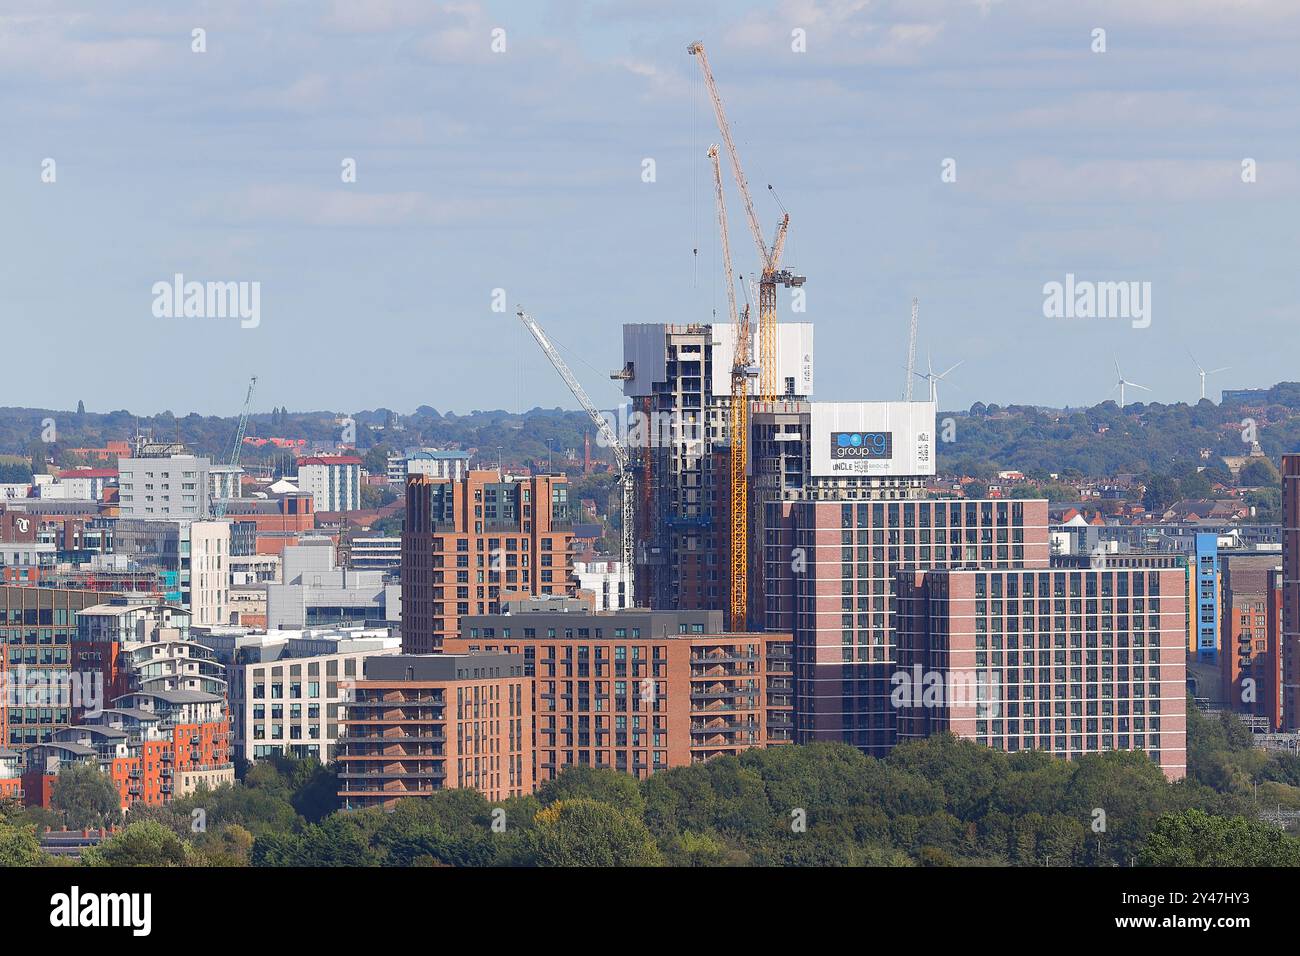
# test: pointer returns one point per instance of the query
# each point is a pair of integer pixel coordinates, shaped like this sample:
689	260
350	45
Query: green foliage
1106	440
941	801
522	435
86	796
599	783
1259	473
19	845
1195	838
147	843
586	832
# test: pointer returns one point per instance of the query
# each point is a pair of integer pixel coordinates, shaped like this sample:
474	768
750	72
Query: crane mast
611	440
219	508
737	422
911	352
769	259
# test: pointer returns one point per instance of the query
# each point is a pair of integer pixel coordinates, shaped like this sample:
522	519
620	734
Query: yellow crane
737	421
769	258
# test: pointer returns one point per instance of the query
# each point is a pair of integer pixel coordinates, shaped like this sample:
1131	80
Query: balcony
385	775
711	729
397	702
439	738
724	658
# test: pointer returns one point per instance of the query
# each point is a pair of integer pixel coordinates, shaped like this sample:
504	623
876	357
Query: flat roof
438	667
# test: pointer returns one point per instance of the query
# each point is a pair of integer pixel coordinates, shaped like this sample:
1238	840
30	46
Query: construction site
732	499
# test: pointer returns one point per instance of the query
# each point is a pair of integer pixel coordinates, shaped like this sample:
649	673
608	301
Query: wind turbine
1204	373
1122	381
934	379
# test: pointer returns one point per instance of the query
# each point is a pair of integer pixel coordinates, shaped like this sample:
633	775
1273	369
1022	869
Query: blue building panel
1206	597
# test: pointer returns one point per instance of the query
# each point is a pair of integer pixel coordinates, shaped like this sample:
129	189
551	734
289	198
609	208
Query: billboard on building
872	438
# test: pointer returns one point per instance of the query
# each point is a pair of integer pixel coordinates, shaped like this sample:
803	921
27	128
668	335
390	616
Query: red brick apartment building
638	690
1250	666
417	724
469	541
1068	660
1291	593
828	570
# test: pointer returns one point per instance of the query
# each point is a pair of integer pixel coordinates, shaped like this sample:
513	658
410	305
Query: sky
523	169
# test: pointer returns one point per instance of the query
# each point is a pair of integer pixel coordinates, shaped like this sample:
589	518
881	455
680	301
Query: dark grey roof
135	712
80	749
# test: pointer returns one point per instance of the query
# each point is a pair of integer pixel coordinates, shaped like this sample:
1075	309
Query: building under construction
676	378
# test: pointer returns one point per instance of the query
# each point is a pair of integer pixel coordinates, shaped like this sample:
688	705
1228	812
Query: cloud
303	206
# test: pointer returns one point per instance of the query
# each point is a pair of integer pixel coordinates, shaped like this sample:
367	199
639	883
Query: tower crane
911	351
219	508
611	439
738	421
769	258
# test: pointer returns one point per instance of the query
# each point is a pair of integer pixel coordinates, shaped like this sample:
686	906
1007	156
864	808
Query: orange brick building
418	724
640	691
154	745
1250	666
11	784
467	542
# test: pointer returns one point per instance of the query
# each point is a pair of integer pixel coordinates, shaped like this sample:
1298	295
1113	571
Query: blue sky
522	170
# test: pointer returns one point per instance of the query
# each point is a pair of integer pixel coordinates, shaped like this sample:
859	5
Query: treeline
523	438
1105	440
1094	442
937	802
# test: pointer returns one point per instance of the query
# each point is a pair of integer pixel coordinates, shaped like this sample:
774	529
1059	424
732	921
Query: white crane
934	379
609	437
911	352
219	506
1204	373
1122	381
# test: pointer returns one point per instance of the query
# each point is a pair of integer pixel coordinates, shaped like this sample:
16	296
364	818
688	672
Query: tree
229	846
589	833
1259	473
1161	492
1195	838
373	496
147	843
604	784
18	845
86	796
1195	486
375	460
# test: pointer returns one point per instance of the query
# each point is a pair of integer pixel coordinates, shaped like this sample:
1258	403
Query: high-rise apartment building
418	724
1291	593
170	486
333	481
1247	666
837	509
1206	595
640	691
469	543
191	556
38	627
678	378
1070	660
